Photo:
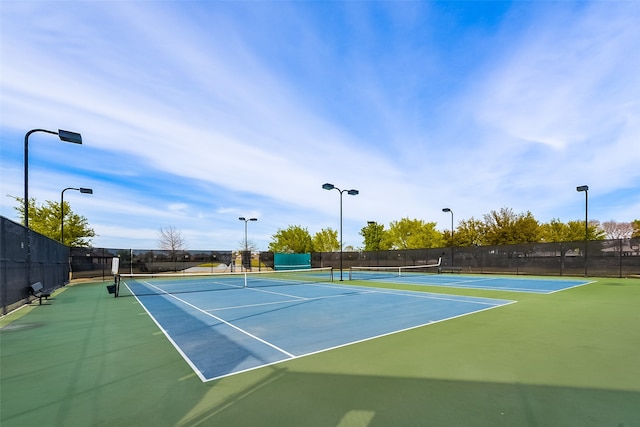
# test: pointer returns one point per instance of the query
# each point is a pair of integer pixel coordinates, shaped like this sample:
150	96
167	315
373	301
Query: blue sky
194	113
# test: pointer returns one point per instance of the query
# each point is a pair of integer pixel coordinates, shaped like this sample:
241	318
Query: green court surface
571	358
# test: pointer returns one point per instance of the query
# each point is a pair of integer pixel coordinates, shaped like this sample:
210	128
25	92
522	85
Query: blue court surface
224	332
515	284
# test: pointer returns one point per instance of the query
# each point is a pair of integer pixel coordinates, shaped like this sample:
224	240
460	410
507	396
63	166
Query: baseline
221	334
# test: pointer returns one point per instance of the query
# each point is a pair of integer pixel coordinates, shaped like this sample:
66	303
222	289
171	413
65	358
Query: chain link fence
96	262
27	257
603	258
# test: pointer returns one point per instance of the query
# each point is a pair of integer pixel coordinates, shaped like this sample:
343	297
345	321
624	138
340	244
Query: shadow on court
213	347
355	400
566	359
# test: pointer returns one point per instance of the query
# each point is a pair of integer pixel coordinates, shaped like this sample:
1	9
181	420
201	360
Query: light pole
83	191
449	210
246	244
585	188
351	193
64	135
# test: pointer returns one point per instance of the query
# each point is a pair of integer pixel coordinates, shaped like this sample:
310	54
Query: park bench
37	290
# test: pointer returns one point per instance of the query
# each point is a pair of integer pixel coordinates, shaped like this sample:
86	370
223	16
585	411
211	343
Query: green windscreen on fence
291	261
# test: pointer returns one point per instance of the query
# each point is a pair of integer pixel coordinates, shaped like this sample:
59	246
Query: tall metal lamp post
585	188
83	191
65	136
352	192
246	242
449	210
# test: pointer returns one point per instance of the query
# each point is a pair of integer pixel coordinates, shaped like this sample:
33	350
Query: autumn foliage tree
326	240
501	227
413	234
505	227
636	229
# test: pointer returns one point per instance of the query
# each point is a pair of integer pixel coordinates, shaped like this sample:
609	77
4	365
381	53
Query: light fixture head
353	192
583	188
328	186
86	190
446	210
68	136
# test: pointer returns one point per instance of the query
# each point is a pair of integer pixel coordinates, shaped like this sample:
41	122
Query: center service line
228	324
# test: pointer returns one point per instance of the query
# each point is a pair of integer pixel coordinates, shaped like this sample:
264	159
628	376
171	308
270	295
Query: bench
452	269
37	290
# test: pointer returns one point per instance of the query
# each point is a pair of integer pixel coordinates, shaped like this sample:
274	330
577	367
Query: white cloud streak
201	111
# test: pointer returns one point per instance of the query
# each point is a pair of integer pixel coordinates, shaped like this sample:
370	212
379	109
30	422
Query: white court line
469	284
360	290
429	295
413	294
166	334
455	282
571	287
249	334
266	291
430	322
498	303
298	299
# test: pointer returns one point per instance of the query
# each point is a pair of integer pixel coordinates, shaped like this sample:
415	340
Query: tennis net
182	282
371	273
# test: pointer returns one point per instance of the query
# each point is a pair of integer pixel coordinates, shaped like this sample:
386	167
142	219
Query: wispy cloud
566	84
196	113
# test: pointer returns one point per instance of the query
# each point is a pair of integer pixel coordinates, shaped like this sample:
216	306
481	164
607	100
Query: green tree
572	231
375	237
505	227
555	231
594	231
46	220
636	229
576	231
294	239
527	228
470	232
326	240
413	234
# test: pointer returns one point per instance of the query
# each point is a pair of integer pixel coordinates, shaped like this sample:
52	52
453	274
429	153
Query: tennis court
429	277
565	359
227	324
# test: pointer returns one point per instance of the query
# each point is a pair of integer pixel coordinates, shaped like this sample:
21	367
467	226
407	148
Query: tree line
501	227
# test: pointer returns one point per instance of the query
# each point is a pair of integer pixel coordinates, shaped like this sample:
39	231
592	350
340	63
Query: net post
115	270
116	284
245	279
